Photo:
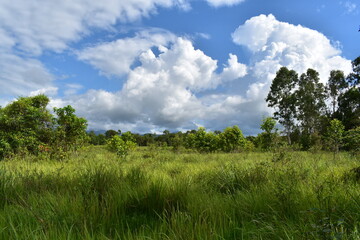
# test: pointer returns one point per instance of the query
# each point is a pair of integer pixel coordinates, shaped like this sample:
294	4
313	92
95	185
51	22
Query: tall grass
158	194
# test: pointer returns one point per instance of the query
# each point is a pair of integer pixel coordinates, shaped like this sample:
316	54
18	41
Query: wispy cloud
350	7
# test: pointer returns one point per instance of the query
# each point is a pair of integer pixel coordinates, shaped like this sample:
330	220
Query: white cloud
161	91
28	28
274	44
40	24
19	76
115	58
220	3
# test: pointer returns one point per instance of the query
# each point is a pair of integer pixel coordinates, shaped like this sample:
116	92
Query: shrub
119	146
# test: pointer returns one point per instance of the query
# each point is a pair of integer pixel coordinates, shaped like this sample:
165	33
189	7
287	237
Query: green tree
282	98
119	146
354	77
335	135
128	137
110	133
311	105
335	85
352	140
349	108
70	129
231	139
267	139
25	124
349	101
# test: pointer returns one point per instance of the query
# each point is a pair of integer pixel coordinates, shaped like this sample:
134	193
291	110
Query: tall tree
311	97
349	101
282	98
337	83
354	77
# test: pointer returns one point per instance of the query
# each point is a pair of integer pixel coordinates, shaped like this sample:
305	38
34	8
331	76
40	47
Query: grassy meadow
159	194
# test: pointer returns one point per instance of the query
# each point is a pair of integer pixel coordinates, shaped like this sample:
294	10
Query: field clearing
159	194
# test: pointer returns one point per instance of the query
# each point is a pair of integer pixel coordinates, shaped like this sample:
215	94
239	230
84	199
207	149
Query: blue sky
150	65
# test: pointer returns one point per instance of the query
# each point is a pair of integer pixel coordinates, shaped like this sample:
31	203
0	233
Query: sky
150	65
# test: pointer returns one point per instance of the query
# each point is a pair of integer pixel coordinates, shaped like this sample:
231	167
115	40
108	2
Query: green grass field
158	194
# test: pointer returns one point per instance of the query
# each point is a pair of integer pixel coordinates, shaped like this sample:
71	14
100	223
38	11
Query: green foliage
268	139
283	99
335	135
352	140
311	97
110	133
128	136
27	127
70	132
349	108
24	124
231	139
119	146
336	84
204	141
94	139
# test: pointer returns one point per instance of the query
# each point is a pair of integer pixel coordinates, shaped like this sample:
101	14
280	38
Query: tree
282	98
311	97
352	140
268	137
25	124
110	133
349	101
335	135
70	129
354	77
119	146
335	85
231	139
349	108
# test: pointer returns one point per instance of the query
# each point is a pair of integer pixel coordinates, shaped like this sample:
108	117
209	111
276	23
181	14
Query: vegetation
58	181
94	195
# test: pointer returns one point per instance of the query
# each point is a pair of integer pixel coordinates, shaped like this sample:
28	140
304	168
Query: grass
158	194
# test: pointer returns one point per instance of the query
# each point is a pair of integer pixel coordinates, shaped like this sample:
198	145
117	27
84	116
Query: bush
119	146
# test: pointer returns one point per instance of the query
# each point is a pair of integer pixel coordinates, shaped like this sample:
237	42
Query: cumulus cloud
161	91
220	3
115	58
274	44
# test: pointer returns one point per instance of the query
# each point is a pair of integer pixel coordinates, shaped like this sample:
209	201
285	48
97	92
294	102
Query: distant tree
282	98
128	137
94	139
110	133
